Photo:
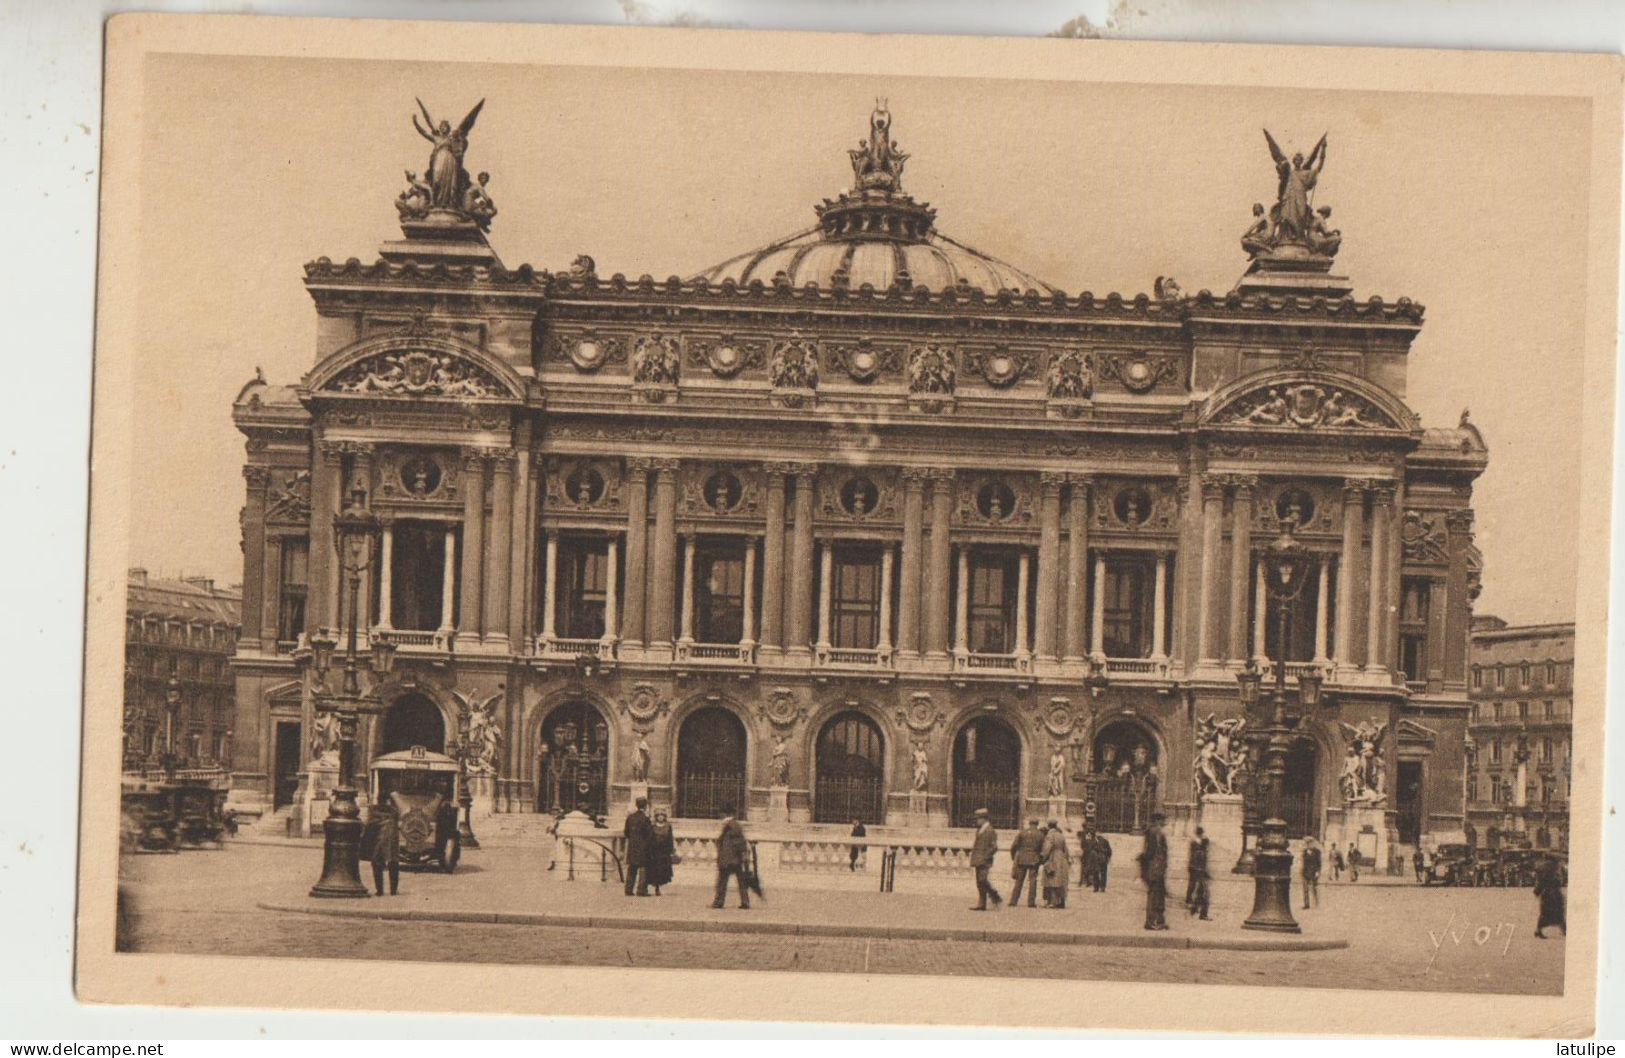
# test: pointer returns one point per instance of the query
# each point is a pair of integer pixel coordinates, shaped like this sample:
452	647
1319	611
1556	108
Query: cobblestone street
1401	937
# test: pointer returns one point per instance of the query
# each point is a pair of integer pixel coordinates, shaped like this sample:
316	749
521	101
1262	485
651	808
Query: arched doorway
573	765
710	764
987	772
851	771
413	720
1125	776
1300	796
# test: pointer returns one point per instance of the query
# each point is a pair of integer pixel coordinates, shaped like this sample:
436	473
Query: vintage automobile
169	816
1452	864
1517	868
422	785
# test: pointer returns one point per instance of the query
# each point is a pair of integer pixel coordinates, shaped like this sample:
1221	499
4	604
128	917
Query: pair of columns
448	578
550	586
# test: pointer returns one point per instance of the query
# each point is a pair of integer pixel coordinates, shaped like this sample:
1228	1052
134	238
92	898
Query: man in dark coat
1197	892
1549	889
1311	872
733	853
858	831
1154	872
637	848
381	841
1024	857
1101	850
982	851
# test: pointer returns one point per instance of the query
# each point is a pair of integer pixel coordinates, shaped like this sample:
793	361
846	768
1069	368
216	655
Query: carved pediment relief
1308	401
416	365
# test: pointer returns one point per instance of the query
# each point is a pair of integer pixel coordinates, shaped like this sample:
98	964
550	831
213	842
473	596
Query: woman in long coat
1549	888
662	851
1057	866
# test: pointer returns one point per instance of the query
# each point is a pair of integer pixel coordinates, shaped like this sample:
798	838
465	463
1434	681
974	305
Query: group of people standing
651	850
1040	852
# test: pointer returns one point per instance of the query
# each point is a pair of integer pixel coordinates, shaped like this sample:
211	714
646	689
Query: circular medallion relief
722	492
1295	506
859	497
1132	505
995	501
584	486
1001	368
589	353
420	476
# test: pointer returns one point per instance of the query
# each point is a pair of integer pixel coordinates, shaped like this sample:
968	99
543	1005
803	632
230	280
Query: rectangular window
583	576
1523	675
719	593
1497	708
1549	709
1415	600
1495	789
1523	710
293	587
1500	677
417	575
1478	679
1495	750
855	602
1472	787
1546	749
1127	611
993	602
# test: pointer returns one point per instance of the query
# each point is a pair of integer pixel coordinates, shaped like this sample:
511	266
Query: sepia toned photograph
879	525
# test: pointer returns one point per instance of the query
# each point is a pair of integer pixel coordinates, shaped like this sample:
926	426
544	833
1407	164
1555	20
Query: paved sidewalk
512	887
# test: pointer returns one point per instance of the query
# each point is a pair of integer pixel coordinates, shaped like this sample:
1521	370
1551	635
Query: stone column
1077	568
1393	563
663	555
499	547
448	583
1347	560
521	532
612	564
271	591
1382	508
908	603
826	569
936	611
1212	526
1097	616
360	474
747	637
1241	561
386	575
773	559
1159	611
253	631
550	588
325	485
686	632
962	609
1049	562
1023	572
797	636
473	483
1261	626
885	598
1458	612
1320	610
637	549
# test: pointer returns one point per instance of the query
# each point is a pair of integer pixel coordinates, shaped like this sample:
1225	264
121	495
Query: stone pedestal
1220	817
1057	812
482	791
919	812
778	804
315	791
1366	826
635	791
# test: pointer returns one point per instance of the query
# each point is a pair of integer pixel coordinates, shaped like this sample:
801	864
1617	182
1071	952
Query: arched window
1300	797
413	720
987	773
1127	776
710	764
851	771
573	772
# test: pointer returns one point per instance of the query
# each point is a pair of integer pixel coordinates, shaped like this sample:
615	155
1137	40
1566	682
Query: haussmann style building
867	524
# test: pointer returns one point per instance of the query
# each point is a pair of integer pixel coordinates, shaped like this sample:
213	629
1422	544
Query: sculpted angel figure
446	177
1057	772
1292	215
922	766
780	766
484	731
1363	778
325	741
641	756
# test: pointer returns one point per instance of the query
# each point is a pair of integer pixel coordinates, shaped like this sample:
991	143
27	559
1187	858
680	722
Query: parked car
422	786
1451	865
169	816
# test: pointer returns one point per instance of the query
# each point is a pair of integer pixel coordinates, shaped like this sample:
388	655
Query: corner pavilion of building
864	524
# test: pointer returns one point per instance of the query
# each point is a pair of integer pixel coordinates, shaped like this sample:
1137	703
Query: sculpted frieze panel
857	494
587	350
720	491
1139	371
1311	506
865	361
417	373
584	484
417	475
995	500
726	356
289	497
1135	506
1305	406
1424	536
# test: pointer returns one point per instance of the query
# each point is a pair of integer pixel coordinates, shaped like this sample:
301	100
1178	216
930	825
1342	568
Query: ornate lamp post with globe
1286	568
356	530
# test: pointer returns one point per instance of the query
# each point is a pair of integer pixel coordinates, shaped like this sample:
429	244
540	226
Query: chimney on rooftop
138	575
206	583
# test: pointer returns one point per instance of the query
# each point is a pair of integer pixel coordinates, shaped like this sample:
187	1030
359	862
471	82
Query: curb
823	929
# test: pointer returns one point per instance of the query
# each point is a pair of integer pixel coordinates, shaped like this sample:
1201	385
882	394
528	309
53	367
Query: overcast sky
1473	206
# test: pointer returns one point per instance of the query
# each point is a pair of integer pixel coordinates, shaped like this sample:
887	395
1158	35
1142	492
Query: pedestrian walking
858	831
1057	866
1198	891
1337	863
381	844
733	853
1026	856
1097	854
1419	862
637	848
1549	882
983	849
1354	863
1311	872
1154	873
662	853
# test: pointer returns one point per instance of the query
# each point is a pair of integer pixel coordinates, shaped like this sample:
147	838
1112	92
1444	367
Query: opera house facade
863	524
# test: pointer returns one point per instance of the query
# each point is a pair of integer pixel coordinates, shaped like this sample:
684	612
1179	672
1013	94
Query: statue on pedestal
922	768
1293	221
445	186
780	765
1363	779
1057	772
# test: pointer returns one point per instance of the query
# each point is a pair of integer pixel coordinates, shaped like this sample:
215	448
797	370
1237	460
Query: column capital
1213	485
473	459
501	458
1354	489
914	478
1050	481
801	471
332	452
1382	493
1242	483
941	473
665	466
258	477
1081	481
639	464
778	469
1459	520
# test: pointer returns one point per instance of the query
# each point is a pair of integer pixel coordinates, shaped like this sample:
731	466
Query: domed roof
875	234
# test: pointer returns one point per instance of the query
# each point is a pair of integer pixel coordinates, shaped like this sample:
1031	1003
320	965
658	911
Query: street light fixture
355	530
1286	567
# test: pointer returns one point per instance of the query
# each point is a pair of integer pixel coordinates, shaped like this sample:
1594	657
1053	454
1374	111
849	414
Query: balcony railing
853	657
717	653
554	647
1157	667
993	662
414	639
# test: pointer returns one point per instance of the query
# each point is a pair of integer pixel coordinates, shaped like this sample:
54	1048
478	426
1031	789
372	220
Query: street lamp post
1286	572
355	530
465	798
172	709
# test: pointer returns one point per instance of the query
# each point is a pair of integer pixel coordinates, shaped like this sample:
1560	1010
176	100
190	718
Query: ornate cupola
877	206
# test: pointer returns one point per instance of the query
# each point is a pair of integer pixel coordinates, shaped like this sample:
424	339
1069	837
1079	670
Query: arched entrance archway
987	772
1125	776
413	720
573	769
851	770
1300	792
710	764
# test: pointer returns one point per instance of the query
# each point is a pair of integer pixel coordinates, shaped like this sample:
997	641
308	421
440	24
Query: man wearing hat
982	851
1154	872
